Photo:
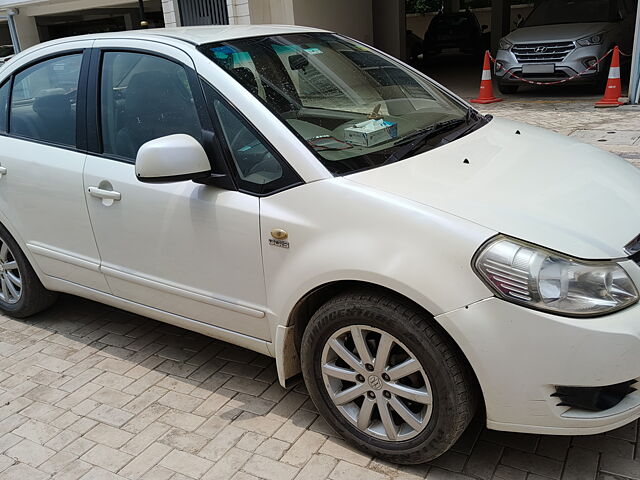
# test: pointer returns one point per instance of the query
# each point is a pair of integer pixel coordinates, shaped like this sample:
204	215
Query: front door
185	248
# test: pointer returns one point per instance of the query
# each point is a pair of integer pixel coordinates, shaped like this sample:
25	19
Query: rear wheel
21	293
386	378
507	89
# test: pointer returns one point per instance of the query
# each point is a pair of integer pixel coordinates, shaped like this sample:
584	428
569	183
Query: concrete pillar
27	30
15	41
634	86
451	6
170	13
389	27
500	21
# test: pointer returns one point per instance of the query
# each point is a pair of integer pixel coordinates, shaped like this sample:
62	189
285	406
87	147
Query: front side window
43	101
257	168
352	106
144	97
4	104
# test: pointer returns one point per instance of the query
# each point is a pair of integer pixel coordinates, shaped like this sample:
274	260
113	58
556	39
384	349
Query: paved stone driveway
93	393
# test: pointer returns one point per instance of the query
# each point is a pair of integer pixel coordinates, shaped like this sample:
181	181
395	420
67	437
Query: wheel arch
289	337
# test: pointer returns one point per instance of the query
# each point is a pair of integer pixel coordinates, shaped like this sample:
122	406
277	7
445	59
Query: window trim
224	147
7	83
80	144
95	145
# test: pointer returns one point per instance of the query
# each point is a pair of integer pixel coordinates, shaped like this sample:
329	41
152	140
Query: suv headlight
546	280
504	44
591	40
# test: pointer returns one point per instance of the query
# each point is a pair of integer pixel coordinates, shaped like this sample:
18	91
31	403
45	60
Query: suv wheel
385	378
21	293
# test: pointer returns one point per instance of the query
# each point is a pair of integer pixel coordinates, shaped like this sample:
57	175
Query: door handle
104	194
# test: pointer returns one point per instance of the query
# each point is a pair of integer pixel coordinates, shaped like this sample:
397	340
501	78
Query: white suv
305	196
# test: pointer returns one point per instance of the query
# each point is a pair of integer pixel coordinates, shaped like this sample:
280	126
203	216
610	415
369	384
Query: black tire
507	89
452	384
33	297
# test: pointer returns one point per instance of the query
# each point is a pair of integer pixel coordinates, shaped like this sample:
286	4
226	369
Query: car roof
198	35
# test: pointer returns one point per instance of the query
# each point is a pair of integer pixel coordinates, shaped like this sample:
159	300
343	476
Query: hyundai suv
562	38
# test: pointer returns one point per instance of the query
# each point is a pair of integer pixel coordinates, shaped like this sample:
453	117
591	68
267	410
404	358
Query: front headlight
504	44
545	280
591	40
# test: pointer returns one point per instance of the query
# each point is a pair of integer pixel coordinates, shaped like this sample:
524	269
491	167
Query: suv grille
542	52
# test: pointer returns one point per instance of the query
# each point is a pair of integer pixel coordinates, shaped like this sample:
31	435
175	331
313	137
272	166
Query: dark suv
459	30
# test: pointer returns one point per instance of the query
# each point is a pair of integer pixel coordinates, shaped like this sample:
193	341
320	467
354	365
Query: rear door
42	159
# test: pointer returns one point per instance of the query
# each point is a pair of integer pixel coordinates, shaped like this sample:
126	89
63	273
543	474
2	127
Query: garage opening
539	41
97	20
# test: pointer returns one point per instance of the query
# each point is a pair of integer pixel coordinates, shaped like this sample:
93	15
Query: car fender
338	230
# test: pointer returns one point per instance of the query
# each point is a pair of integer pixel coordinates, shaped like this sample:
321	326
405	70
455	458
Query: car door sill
242	340
173	290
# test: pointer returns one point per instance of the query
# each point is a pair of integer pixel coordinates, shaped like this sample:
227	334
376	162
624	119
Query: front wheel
386	378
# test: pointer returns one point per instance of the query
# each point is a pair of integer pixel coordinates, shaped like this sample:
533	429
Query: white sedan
303	195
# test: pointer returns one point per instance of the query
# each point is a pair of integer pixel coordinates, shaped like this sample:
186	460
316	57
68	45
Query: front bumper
521	355
573	63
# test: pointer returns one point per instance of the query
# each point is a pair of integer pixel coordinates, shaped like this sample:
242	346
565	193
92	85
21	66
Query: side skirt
245	341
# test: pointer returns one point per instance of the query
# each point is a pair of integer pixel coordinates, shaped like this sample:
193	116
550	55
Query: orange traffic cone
614	86
486	86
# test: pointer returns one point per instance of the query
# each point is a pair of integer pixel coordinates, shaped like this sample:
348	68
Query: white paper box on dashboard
371	132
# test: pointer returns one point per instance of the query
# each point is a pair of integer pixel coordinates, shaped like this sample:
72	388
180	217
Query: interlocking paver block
144	461
186	464
269	469
106	457
30	453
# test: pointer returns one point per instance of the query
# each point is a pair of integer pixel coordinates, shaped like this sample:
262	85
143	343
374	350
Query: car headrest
145	89
52	105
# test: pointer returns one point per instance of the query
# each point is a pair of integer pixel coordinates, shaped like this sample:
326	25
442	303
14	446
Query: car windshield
553	12
350	104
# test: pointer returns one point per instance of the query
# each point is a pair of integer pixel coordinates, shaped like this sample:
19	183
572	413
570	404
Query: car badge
279	238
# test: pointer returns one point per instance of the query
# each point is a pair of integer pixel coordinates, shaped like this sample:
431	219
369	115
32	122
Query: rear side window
144	97
43	101
4	103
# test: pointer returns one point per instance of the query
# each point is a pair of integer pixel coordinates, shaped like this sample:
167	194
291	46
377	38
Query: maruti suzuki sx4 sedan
303	195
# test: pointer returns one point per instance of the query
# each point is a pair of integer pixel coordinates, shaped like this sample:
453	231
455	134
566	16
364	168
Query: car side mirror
174	158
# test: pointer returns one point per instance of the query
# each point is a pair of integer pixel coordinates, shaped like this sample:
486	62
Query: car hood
528	183
556	33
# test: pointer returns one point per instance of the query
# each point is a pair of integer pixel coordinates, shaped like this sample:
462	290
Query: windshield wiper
474	121
415	141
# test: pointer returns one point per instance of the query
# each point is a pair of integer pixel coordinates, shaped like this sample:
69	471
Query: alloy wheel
10	277
376	383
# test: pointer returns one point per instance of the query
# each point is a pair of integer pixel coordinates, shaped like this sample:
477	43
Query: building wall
350	17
